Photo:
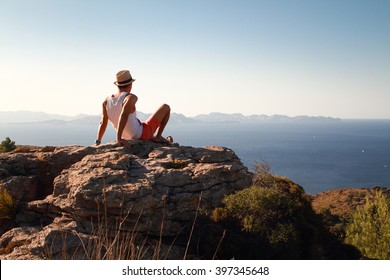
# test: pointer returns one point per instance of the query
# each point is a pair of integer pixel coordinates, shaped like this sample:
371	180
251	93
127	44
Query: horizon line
210	113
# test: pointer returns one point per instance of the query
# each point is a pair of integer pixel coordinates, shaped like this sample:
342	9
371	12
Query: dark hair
123	87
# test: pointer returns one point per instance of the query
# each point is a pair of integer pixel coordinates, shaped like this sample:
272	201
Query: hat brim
125	84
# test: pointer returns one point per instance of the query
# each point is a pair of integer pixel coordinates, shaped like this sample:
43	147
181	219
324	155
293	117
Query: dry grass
338	206
110	239
341	202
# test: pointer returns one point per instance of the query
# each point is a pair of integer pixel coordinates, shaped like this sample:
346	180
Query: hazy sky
295	57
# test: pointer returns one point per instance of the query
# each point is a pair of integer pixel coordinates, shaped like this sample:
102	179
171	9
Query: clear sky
291	57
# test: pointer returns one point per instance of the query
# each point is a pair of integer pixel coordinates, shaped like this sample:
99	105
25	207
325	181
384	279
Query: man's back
114	106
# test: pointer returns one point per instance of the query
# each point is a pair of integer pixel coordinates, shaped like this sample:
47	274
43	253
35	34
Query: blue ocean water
317	155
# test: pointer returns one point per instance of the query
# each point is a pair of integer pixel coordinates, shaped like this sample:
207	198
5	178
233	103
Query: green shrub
264	178
7	145
266	211
8	205
369	229
273	219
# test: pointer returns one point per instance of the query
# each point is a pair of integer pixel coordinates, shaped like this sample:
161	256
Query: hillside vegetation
273	219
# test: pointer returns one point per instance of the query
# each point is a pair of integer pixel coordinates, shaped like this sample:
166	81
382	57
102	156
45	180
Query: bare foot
170	139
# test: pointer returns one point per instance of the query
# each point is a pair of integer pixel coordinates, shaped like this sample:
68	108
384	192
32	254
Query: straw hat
123	78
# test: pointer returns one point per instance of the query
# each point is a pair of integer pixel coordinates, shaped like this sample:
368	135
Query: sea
318	156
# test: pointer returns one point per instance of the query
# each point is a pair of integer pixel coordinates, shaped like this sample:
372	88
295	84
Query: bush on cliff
265	211
273	219
369	229
8	209
8	205
7	145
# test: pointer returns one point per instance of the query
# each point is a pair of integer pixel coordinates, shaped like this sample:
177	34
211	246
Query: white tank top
133	128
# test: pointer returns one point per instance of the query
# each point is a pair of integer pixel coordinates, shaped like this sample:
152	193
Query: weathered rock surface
149	189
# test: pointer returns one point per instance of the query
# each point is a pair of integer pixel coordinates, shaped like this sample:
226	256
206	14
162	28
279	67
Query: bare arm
127	109
103	123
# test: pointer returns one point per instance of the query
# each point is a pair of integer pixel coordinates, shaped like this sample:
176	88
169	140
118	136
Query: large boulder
148	189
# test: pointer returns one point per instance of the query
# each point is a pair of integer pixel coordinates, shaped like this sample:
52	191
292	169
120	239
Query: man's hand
123	142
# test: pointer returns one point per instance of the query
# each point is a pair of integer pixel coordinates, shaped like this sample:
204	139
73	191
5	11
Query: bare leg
162	115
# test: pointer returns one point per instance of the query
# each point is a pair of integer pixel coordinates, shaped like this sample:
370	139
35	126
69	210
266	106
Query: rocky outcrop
150	190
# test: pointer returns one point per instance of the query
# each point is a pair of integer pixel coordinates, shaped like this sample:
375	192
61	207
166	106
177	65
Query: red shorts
149	127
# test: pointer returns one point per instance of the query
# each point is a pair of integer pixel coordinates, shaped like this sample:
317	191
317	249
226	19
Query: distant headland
176	118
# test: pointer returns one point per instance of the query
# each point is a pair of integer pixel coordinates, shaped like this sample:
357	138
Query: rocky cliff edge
148	189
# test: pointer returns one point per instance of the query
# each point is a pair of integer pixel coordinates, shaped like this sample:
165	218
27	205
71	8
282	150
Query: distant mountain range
45	118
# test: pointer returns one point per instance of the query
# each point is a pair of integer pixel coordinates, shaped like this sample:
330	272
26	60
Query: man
120	109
